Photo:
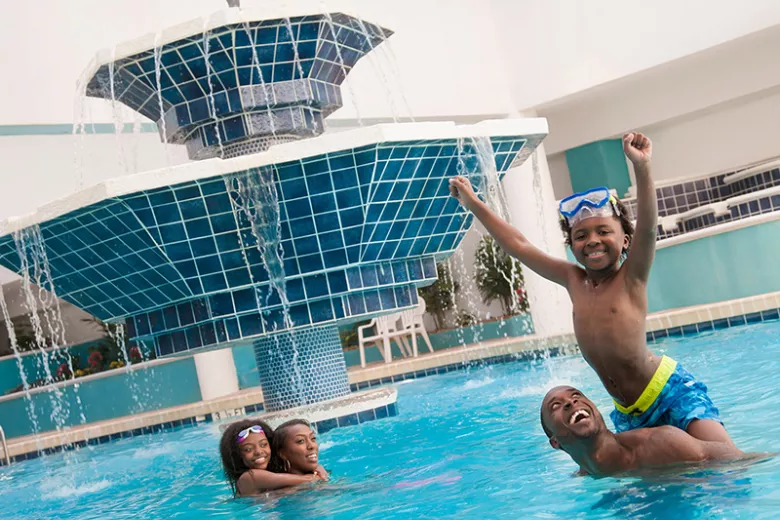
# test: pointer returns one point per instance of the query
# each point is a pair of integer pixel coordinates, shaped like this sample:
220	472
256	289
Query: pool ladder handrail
5	447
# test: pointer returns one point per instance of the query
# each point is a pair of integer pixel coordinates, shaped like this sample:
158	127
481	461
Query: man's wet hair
625	223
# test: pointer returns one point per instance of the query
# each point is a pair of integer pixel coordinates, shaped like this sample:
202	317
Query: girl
246	453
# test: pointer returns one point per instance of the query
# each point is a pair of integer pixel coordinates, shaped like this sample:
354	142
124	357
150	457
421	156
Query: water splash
255	202
158	84
211	105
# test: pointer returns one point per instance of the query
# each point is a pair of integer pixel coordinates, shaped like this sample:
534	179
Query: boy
609	298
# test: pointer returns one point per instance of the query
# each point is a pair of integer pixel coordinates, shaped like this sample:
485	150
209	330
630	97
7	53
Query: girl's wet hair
229	450
625	223
281	435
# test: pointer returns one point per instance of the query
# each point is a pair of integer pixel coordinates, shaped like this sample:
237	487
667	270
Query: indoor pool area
337	259
480	453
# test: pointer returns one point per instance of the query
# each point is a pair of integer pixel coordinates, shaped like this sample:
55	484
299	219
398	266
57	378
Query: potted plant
439	297
499	277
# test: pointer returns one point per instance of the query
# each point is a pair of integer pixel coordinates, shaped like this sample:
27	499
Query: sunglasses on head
243	434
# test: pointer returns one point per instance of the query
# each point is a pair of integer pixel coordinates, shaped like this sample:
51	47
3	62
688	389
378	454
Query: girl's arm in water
639	150
509	238
257	481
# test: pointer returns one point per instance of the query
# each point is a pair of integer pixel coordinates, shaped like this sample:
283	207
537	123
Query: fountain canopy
234	86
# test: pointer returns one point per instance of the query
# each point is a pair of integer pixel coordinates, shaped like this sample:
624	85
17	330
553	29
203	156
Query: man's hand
461	189
638	148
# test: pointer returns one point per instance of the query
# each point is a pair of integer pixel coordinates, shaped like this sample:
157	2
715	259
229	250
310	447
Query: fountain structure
275	234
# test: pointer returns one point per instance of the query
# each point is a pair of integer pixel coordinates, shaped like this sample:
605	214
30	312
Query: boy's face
598	242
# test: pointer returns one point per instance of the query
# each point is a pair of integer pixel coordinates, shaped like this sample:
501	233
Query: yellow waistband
653	389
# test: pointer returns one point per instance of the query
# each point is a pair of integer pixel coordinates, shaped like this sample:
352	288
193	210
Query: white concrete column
216	373
532	210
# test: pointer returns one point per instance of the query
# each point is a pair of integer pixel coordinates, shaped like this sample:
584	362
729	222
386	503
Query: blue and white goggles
596	202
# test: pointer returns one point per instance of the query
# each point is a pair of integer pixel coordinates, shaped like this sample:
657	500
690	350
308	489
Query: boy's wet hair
281	435
625	223
232	463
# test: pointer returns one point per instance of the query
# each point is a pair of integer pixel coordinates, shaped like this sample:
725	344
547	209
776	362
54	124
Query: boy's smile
598	242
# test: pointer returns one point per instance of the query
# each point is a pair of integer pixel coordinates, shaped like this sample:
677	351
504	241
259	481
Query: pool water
464	445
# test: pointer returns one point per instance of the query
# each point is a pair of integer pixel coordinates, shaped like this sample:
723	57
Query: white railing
722	208
5	447
749	172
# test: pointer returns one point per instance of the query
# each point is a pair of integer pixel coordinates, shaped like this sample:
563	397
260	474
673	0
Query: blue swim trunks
673	397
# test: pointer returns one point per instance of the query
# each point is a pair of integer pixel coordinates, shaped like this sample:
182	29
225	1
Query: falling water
211	106
340	58
267	91
296	63
157	78
35	271
9	326
255	198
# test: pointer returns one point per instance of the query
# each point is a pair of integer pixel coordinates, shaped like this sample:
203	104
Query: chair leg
404	346
362	356
427	340
388	352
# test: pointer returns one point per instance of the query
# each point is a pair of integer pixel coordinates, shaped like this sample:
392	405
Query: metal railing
5	447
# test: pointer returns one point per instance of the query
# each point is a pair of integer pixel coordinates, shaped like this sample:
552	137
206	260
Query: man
573	424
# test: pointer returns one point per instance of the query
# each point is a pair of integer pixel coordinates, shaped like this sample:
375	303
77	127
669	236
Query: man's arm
670	445
639	149
509	238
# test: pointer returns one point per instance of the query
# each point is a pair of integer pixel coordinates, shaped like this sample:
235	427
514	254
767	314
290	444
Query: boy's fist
461	189
638	148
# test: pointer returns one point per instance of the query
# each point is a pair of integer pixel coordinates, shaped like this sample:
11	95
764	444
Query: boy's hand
461	189
638	148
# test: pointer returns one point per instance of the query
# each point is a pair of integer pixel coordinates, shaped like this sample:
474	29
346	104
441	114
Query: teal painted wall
726	266
162	386
34	368
730	265
246	368
599	164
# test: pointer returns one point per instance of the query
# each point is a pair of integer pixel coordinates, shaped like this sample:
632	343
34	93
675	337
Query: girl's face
255	451
598	243
301	450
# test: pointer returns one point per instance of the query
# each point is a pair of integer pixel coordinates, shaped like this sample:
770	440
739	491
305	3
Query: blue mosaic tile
366	415
736	320
771	314
319	365
722	323
326	425
348	420
705	326
753	317
674	332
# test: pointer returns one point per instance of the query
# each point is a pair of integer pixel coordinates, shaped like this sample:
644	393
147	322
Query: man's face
569	415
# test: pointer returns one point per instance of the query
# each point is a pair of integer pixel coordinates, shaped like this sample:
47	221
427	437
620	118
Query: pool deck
677	322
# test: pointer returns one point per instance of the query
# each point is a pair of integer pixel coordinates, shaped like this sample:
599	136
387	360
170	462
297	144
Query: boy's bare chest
602	308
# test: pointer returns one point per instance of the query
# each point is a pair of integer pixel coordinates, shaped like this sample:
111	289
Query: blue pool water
465	445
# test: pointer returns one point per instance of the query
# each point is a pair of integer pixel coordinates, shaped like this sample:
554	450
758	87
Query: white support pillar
532	210
216	373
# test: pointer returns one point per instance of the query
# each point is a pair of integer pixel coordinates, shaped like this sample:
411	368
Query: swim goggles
243	434
596	202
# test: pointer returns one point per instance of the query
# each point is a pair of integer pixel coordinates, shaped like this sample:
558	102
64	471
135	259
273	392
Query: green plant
499	277
439	297
466	319
349	334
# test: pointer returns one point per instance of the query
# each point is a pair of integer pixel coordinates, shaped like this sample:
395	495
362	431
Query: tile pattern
682	197
303	367
522	356
359	230
381	412
709	325
261	81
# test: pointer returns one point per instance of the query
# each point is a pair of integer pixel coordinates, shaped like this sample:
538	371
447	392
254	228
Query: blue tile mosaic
301	367
259	80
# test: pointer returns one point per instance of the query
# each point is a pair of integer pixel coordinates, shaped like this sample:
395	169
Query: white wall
459	73
559	175
736	134
559	47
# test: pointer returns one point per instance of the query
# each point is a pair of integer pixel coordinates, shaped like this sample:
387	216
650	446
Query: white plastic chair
412	323
386	330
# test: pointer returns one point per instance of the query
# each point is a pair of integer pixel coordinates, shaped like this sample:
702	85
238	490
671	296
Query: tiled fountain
277	233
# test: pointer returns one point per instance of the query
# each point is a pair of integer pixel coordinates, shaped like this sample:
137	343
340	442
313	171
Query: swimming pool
465	444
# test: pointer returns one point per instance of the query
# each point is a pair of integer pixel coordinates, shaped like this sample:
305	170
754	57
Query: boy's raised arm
509	238
639	149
